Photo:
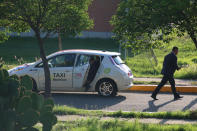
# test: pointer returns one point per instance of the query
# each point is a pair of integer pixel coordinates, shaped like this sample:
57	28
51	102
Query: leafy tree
47	17
146	24
7	26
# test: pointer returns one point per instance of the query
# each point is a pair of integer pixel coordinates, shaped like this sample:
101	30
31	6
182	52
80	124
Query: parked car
68	69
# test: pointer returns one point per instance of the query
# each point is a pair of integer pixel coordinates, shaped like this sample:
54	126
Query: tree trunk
59	41
193	38
190	29
46	67
120	47
154	56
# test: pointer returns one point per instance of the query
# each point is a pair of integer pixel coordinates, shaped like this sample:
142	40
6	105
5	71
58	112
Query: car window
66	60
117	60
82	60
69	60
39	65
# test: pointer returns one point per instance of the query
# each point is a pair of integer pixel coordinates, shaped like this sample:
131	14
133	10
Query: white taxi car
68	69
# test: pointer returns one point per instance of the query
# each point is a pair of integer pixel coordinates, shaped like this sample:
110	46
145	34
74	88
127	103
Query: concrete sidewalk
179	82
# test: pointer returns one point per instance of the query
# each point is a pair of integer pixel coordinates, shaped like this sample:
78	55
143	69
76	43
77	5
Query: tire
106	87
35	88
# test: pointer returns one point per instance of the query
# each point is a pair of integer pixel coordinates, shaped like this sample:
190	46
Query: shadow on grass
86	101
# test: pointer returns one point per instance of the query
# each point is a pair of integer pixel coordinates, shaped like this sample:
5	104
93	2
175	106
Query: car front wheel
106	88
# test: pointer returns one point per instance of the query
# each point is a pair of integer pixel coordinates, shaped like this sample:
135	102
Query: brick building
101	12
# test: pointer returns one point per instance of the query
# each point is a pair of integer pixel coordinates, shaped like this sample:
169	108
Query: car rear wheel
106	87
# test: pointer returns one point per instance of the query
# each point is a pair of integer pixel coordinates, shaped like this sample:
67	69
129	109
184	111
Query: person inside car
94	64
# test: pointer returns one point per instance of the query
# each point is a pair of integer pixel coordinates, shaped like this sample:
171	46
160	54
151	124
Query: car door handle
33	70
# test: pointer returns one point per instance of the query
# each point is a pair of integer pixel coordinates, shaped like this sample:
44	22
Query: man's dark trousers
163	82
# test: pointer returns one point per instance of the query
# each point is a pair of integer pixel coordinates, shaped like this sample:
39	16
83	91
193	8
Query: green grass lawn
26	50
93	123
65	110
142	67
115	125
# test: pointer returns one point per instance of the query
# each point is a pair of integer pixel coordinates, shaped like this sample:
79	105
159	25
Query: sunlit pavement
132	101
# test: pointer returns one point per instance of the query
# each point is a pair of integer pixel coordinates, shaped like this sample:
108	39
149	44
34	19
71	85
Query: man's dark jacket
93	70
169	64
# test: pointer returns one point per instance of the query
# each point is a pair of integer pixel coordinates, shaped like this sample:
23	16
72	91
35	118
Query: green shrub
194	60
182	63
187	73
20	108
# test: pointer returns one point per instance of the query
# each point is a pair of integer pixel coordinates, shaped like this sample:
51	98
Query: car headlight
19	68
15	70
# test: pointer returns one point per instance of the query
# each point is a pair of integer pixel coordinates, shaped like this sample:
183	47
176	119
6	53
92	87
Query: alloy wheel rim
106	88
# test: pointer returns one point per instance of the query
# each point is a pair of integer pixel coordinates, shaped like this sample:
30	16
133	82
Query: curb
186	89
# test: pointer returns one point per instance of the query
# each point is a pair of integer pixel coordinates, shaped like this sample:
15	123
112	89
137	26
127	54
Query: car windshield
117	60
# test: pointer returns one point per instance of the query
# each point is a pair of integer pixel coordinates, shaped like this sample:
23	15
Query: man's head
91	60
175	50
97	58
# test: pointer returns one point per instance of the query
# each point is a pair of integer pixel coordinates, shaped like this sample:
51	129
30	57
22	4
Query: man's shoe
87	88
178	97
154	97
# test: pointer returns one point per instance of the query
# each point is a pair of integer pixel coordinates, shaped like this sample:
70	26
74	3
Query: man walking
169	67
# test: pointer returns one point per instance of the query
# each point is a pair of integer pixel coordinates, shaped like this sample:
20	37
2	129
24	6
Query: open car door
80	71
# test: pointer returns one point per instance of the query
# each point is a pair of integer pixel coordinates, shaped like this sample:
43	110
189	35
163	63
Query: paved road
134	101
